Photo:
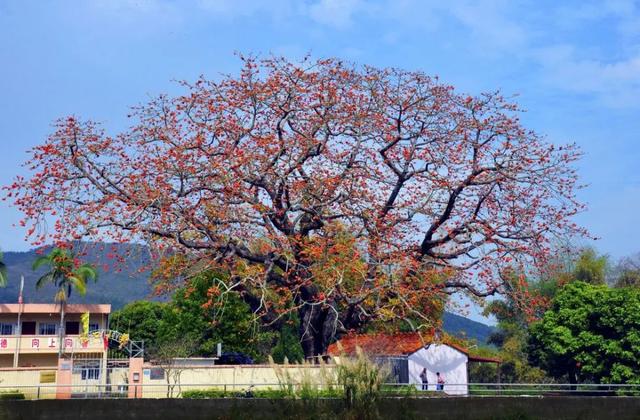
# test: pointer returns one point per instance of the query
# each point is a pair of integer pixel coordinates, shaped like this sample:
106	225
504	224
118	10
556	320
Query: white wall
238	377
451	363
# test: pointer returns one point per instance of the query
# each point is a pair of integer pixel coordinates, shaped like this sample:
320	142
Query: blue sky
574	65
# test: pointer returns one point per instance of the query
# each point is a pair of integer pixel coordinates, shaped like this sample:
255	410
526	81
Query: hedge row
11	395
260	393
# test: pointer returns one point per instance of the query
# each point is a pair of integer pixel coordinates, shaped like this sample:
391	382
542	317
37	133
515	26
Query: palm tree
66	274
3	272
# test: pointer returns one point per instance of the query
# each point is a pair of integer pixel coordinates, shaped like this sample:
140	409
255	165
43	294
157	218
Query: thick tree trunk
318	324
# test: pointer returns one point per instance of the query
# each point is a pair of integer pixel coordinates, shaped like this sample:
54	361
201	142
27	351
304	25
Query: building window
72	328
94	326
29	328
88	369
47	329
6	329
90	373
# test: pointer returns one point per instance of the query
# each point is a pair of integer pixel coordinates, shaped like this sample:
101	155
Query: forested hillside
115	287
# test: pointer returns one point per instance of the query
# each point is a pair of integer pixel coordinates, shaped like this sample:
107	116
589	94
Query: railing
526	389
278	390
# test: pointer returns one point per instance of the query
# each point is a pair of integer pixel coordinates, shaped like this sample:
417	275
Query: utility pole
16	355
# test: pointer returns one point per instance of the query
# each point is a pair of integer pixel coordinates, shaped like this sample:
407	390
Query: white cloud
623	14
490	24
555	39
145	15
616	83
272	9
336	13
132	8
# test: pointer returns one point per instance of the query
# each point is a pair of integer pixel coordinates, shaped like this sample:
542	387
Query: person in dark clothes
425	381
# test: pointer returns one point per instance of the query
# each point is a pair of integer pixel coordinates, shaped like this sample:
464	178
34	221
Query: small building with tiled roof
409	354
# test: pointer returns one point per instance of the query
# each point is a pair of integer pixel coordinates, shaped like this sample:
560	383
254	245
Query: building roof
483	359
398	344
49	308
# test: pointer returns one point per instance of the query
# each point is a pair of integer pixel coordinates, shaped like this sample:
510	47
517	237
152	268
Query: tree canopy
141	320
191	316
514	316
591	267
591	333
345	194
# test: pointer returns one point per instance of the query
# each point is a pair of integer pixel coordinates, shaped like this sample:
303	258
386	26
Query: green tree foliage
141	320
227	319
511	335
513	321
193	315
591	267
511	340
591	333
288	342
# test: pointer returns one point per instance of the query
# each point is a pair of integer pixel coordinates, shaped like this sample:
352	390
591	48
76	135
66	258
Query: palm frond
86	272
44	279
63	275
78	283
40	261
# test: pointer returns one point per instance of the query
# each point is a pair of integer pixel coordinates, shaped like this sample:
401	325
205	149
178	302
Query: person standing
425	380
440	382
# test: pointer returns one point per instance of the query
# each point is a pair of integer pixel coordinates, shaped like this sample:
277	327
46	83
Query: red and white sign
35	343
3	343
68	343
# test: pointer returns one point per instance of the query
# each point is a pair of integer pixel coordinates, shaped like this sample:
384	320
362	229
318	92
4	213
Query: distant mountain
120	288
463	327
117	288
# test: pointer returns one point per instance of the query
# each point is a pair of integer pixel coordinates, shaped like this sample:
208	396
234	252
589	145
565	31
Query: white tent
410	353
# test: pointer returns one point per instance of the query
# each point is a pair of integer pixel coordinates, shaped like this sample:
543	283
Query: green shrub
271	393
11	395
199	394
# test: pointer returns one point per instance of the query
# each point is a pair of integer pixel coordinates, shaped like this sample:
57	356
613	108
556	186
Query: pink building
33	341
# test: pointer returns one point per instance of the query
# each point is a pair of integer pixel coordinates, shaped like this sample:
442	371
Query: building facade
30	336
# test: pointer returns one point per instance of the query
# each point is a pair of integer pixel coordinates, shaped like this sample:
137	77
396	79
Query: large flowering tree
346	194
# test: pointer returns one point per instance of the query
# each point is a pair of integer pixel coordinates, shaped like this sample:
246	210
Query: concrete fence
150	381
